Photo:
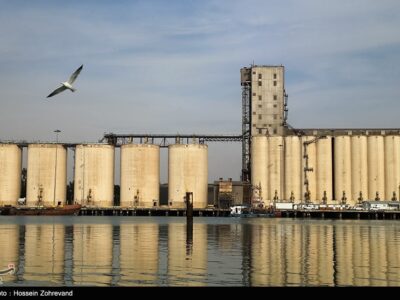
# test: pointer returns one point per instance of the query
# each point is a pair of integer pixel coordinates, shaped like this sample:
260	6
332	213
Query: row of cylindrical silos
94	175
346	169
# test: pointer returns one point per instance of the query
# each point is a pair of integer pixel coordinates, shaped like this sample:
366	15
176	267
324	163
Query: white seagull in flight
68	84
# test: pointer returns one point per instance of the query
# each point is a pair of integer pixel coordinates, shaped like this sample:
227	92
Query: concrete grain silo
293	171
275	172
187	172
376	167
342	153
140	175
359	168
312	163
392	167
259	166
324	170
94	175
47	175
10	174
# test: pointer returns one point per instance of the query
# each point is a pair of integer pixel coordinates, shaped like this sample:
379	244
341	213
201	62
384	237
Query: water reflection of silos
187	172
393	257
293	253
9	246
319	256
92	254
378	260
10	174
47	174
266	255
44	253
140	175
360	254
344	255
187	263
139	254
94	175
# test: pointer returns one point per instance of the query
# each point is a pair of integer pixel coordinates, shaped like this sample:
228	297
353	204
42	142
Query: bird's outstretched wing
74	75
57	91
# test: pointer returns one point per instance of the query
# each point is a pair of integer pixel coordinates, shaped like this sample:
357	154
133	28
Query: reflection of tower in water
44	253
139	254
266	255
92	254
291	254
187	268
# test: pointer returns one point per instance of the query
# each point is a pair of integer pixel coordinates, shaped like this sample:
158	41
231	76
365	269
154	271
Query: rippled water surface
162	251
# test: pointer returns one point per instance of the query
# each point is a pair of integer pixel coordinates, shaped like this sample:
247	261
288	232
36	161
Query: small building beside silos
47	175
10	174
140	175
94	175
187	172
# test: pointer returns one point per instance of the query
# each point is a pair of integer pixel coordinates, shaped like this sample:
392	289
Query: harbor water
164	251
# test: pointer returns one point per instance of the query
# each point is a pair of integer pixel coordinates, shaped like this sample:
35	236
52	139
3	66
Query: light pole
57	131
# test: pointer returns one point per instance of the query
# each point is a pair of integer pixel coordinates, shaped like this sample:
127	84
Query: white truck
283	205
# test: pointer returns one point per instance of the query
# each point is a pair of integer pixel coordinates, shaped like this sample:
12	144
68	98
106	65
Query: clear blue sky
173	66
